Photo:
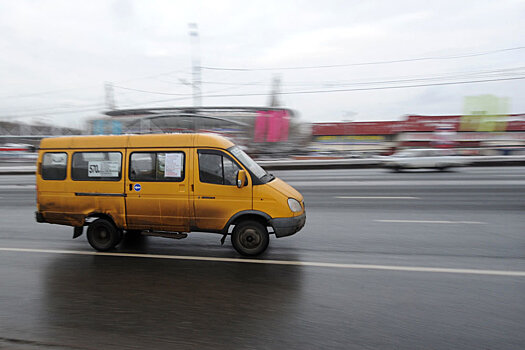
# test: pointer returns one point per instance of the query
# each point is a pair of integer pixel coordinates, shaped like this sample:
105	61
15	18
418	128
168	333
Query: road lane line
434	222
375	197
278	262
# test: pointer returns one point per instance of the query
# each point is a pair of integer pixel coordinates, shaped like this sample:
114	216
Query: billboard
484	113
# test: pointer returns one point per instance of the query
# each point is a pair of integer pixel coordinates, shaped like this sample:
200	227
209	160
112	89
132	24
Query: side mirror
241	178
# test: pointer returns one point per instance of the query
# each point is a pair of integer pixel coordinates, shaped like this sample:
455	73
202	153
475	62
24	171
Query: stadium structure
260	130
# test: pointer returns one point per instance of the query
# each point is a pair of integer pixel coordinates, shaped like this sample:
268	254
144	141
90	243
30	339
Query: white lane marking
278	262
435	222
376	197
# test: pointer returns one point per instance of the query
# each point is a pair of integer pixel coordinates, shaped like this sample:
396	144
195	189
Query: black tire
250	238
102	235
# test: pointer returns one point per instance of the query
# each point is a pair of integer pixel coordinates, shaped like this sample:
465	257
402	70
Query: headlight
294	205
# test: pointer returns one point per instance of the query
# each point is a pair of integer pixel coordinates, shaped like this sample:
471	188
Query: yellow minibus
163	185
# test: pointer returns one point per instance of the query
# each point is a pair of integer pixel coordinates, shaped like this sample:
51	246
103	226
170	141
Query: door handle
206	197
130	187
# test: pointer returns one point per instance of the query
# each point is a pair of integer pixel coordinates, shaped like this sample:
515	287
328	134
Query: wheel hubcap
250	238
102	235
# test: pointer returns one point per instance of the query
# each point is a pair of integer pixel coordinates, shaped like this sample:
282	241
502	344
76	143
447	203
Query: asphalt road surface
415	260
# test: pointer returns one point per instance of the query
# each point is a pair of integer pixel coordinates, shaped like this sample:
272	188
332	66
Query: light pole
195	64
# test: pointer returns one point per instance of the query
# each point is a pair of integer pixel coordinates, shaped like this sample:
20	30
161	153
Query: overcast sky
55	56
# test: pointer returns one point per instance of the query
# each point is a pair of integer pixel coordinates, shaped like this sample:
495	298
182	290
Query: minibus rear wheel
250	238
103	235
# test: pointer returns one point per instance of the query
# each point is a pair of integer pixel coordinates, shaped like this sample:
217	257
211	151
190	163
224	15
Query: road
415	260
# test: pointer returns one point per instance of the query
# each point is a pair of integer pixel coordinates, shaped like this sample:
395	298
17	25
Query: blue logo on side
137	187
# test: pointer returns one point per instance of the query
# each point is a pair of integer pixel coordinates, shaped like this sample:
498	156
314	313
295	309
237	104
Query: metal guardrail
305	164
378	163
488	160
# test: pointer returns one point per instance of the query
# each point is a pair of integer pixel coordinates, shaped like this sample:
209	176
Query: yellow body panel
74	142
215	204
136	141
272	198
59	200
161	140
158	205
168	206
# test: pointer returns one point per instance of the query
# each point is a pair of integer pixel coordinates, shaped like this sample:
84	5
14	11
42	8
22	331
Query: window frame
222	154
42	166
183	174
97	179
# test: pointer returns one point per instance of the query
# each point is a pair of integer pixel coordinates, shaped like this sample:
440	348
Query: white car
440	159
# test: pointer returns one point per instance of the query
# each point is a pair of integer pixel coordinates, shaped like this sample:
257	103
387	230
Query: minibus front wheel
250	238
102	235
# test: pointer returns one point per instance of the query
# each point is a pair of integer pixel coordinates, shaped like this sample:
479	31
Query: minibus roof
136	141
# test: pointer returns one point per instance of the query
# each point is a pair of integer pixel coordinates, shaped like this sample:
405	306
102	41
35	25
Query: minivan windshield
249	163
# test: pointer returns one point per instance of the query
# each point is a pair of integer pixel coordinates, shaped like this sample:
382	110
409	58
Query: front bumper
288	226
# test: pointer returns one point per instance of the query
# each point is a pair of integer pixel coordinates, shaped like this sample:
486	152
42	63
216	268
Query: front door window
215	168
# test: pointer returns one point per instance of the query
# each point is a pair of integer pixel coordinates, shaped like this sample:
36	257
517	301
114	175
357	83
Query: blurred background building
260	130
278	132
31	134
420	131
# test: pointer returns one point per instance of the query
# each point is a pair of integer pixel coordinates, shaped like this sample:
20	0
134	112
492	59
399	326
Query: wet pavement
465	219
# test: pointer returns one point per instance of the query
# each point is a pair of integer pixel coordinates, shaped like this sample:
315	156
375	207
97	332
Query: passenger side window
54	166
230	171
96	166
217	168
210	168
157	166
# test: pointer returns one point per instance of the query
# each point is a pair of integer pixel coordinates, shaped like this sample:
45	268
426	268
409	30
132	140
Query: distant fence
305	164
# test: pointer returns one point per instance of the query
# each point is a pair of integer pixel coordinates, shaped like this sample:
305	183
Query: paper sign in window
173	165
99	168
